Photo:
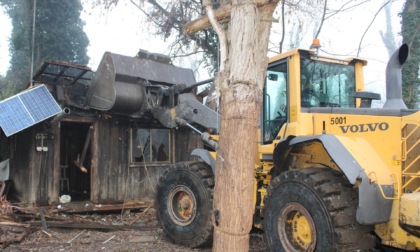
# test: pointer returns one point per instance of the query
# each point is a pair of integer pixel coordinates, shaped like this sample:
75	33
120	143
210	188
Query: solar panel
26	109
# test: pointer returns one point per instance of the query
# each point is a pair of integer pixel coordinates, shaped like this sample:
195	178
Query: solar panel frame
26	109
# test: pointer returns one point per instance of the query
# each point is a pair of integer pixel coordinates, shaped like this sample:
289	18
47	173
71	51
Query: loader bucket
119	84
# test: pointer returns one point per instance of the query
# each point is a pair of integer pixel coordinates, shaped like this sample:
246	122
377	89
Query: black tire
184	202
314	210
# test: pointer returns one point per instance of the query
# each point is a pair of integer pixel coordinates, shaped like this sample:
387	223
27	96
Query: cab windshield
326	84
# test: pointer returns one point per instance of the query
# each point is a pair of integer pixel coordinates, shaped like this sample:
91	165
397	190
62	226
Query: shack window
150	145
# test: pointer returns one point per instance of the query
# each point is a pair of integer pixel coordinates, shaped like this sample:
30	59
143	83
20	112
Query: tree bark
241	87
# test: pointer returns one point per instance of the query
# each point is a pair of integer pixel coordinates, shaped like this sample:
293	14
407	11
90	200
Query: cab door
275	102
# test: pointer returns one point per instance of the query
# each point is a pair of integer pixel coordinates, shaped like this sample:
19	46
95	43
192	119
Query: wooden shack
101	156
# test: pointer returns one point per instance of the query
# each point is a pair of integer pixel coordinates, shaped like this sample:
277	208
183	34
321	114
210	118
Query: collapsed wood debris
16	222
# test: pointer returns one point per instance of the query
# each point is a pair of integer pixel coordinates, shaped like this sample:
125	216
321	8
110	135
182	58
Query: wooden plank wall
32	171
21	145
36	174
115	180
43	170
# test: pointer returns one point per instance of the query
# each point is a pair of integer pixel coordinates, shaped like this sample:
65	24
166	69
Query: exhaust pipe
65	111
394	79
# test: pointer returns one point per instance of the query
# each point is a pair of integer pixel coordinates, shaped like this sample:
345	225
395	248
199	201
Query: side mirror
273	77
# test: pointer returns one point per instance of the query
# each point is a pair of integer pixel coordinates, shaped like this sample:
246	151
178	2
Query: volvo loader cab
300	79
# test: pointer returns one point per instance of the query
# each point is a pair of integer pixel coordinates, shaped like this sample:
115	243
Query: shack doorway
75	160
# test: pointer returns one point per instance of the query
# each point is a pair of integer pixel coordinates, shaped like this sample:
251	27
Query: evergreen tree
59	35
411	36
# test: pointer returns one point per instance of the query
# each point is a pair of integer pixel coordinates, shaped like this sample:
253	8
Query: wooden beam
88	207
222	15
98	226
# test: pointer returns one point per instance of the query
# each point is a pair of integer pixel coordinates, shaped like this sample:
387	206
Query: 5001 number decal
338	120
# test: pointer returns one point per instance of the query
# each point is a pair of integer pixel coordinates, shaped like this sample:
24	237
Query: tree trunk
241	86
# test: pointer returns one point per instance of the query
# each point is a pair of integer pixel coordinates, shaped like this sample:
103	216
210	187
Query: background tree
59	35
411	36
384	5
166	20
388	36
6	89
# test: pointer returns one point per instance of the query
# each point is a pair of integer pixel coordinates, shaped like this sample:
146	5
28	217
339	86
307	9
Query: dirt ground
90	239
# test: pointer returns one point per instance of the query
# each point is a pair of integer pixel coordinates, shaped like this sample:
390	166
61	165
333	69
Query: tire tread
341	201
204	173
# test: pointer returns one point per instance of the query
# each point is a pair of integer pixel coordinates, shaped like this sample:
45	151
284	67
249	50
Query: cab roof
319	57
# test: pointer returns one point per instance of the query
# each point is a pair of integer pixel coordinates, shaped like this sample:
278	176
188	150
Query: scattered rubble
83	226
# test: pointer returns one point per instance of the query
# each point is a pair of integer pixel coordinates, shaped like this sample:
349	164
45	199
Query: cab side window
275	101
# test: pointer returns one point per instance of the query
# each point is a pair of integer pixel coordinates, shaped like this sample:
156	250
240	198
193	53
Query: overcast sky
122	30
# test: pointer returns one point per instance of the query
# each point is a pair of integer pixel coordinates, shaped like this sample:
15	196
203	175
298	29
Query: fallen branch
76	236
109	239
14	224
45	232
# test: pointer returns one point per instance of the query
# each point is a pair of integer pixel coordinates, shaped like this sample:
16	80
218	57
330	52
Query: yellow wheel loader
333	174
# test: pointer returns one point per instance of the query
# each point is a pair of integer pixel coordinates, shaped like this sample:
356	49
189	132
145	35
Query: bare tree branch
343	8
322	19
145	13
373	19
220	33
188	54
283	32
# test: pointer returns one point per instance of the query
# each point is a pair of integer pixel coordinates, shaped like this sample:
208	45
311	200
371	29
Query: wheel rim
182	205
296	228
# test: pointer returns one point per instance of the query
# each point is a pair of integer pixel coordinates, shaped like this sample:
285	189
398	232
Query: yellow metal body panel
392	234
359	79
410	209
382	133
294	90
368	158
283	55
